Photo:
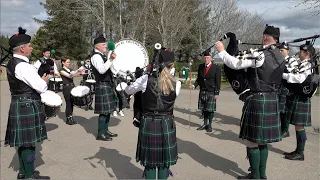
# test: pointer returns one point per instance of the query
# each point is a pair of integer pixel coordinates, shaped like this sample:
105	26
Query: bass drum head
130	54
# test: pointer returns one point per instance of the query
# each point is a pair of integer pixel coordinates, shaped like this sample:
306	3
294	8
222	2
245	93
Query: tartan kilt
298	110
208	105
283	93
260	121
157	142
26	124
104	98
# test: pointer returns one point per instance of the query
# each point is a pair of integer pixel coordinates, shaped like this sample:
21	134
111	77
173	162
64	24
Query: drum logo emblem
306	89
235	84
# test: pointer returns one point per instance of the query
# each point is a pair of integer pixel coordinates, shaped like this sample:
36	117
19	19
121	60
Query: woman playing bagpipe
67	79
260	123
157	143
299	81
291	63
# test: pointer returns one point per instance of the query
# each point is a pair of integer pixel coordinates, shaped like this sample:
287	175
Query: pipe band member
299	105
209	80
105	96
157	143
26	126
291	64
260	122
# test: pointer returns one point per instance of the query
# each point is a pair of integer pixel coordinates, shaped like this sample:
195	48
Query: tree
310	5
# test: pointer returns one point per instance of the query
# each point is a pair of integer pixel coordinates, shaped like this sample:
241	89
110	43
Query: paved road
73	153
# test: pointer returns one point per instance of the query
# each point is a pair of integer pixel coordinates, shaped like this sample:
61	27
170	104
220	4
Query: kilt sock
205	117
28	157
150	173
163	173
102	124
107	122
211	116
263	160
254	160
301	137
21	165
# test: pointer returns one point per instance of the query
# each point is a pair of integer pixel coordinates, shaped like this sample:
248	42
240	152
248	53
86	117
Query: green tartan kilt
283	93
260	121
26	124
298	110
208	105
104	98
157	142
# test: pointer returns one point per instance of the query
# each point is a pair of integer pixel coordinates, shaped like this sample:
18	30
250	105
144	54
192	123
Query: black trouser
120	104
69	101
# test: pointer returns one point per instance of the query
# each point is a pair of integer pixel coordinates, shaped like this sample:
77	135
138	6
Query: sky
293	22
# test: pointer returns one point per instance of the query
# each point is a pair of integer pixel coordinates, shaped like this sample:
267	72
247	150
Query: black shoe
289	153
37	176
209	128
108	133
72	120
103	137
69	121
248	176
90	108
21	176
202	127
136	123
295	156
285	134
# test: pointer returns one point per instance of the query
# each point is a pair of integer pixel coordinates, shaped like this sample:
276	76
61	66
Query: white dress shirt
305	69
172	71
29	74
236	63
141	84
98	63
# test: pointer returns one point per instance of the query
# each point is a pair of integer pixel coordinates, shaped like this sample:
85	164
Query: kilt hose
157	142
298	110
26	124
260	121
104	98
206	101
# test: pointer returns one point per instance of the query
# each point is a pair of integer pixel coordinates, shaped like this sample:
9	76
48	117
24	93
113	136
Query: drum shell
51	111
85	100
56	86
92	86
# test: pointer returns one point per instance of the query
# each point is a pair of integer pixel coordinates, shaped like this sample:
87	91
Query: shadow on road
209	159
120	164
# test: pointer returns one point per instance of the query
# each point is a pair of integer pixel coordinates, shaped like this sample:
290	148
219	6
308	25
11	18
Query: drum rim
80	96
55	79
51	104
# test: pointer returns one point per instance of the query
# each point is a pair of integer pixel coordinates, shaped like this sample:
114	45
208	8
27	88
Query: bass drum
130	55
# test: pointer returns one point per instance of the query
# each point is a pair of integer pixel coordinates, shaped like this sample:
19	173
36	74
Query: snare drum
91	83
52	103
81	96
55	84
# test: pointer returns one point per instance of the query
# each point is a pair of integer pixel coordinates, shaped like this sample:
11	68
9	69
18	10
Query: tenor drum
52	103
130	55
81	96
55	84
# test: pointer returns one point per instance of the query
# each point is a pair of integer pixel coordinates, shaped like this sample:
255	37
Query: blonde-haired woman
157	143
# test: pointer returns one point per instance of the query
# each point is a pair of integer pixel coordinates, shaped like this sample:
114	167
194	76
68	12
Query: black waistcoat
106	77
149	99
18	87
267	78
66	80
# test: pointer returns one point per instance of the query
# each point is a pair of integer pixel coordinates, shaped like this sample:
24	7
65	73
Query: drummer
67	75
88	75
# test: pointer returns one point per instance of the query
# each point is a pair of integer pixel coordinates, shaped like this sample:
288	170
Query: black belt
25	98
156	113
69	84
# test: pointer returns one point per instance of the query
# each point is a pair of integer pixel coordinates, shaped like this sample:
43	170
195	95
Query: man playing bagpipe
260	122
26	119
209	80
298	103
45	64
105	96
291	63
